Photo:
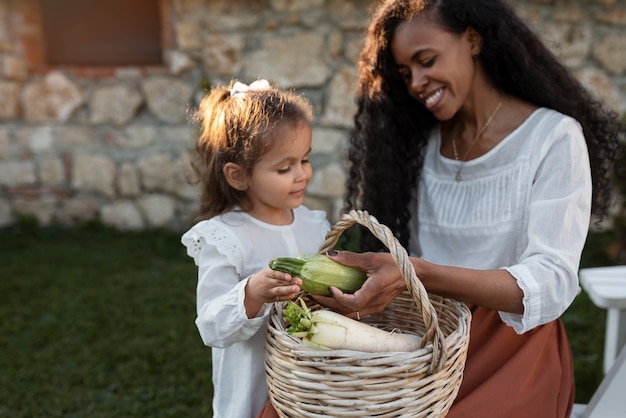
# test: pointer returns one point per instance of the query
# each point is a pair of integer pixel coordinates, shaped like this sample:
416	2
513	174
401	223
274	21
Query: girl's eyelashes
285	170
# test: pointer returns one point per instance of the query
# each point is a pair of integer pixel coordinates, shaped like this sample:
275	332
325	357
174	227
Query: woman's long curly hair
391	128
239	129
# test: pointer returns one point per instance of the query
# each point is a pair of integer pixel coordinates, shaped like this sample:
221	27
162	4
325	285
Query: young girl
253	162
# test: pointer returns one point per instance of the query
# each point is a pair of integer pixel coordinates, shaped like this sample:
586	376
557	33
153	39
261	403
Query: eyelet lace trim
213	234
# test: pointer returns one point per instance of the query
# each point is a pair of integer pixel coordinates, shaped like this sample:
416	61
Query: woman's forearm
492	289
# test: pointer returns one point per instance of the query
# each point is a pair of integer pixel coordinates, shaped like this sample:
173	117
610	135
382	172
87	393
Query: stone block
78	209
116	104
600	85
158	209
327	141
157	172
179	62
128	182
6	213
168	98
222	54
297	60
5	143
42	209
94	173
611	54
14	68
293	5
9	97
54	98
188	35
70	137
340	106
123	215
16	173
36	140
51	171
138	136
571	43
328	181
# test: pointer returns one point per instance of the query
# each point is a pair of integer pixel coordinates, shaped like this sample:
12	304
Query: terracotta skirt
510	375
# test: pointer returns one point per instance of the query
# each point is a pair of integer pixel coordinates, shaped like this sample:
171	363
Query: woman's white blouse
524	206
227	250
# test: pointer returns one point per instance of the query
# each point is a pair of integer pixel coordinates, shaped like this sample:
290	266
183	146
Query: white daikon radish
325	329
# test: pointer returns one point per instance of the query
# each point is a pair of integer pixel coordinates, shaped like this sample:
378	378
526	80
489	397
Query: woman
486	157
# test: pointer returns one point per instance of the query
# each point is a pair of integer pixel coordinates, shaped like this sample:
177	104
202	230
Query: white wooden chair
606	287
609	400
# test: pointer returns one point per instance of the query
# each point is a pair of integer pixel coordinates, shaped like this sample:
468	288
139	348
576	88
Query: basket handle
414	285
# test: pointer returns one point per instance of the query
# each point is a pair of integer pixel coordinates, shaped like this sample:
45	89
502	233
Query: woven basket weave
305	382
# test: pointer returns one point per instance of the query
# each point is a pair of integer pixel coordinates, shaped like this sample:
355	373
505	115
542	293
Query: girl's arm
221	315
231	309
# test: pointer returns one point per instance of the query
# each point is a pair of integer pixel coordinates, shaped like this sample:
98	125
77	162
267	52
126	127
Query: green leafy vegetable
298	316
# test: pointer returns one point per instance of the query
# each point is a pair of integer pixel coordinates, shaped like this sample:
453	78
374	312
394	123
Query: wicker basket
305	382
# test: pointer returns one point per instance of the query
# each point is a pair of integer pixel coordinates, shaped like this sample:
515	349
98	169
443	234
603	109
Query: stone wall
82	144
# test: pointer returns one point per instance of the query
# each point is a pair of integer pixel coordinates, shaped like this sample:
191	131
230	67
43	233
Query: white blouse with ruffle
524	206
227	250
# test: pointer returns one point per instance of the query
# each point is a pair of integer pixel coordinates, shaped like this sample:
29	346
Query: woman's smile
433	99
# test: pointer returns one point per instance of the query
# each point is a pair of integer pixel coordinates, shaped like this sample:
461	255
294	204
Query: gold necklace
482	130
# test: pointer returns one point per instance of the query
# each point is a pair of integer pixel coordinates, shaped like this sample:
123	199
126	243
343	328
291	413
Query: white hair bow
258	85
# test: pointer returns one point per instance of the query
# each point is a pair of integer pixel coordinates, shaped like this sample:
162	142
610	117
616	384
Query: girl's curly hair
391	128
240	129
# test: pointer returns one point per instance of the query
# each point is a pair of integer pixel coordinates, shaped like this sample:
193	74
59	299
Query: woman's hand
492	289
384	283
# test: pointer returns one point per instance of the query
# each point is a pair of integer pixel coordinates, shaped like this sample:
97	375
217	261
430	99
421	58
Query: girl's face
437	65
279	179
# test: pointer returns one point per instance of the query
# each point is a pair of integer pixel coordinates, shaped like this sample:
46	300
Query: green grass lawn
97	323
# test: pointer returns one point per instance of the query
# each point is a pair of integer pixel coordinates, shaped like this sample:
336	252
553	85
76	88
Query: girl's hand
384	283
268	286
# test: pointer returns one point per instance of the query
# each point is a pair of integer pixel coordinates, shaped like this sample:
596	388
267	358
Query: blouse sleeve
221	316
558	222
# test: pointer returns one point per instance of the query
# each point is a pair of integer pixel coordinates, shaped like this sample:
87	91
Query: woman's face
437	65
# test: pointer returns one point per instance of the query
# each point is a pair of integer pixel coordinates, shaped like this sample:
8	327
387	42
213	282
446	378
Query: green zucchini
318	272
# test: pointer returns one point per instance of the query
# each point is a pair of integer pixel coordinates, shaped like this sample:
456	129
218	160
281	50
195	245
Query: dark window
102	32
